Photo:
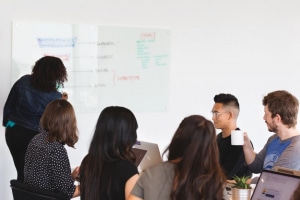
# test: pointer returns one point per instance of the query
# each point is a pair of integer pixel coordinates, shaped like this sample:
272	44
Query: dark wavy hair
198	174
59	121
114	136
284	104
47	73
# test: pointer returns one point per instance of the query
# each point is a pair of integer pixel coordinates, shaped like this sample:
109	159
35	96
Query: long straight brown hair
198	174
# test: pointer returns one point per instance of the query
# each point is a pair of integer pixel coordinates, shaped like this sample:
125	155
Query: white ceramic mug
237	137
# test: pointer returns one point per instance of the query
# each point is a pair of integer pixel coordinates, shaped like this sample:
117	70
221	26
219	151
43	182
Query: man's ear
277	118
231	115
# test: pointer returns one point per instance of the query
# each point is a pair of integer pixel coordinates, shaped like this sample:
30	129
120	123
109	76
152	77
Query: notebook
274	185
147	154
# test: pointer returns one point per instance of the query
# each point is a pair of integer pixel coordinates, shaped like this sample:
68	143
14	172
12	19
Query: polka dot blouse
47	166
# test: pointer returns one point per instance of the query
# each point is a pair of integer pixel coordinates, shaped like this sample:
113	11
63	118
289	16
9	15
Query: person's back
225	113
192	170
25	105
29	104
47	165
31	93
157	182
112	184
108	170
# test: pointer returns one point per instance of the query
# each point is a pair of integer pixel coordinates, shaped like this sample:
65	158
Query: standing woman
26	103
108	171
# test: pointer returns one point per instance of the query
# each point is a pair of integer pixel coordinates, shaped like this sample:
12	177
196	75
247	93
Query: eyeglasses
217	114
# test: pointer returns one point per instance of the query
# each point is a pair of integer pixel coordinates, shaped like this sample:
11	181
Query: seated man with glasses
225	112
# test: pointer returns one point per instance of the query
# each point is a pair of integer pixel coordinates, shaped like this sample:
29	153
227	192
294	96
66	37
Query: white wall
247	48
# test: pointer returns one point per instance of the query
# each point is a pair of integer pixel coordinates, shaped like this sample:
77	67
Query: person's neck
286	133
227	131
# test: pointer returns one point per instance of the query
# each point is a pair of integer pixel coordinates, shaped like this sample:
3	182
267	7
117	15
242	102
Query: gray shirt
156	183
288	158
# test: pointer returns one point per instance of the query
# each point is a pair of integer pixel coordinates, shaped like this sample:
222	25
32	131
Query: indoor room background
244	47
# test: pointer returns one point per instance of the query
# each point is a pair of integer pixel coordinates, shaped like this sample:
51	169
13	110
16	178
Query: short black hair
227	99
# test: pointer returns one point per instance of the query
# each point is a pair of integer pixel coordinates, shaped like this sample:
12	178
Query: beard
272	127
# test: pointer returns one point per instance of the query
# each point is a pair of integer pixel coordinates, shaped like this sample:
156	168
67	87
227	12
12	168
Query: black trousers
17	140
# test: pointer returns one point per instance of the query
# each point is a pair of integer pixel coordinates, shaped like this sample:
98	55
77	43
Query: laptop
147	154
274	185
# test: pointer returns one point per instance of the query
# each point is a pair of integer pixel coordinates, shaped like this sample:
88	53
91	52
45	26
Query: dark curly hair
47	73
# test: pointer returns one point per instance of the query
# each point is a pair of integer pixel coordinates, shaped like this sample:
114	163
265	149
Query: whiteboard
106	65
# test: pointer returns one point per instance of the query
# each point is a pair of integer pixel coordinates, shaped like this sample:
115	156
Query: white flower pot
240	194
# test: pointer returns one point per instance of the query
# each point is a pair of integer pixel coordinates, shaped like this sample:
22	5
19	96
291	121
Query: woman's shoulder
24	80
124	169
124	163
162	168
163	171
39	137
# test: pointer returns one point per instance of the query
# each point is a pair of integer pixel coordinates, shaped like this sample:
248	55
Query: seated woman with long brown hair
192	171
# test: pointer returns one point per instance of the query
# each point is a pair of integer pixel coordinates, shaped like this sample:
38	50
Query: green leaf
241	182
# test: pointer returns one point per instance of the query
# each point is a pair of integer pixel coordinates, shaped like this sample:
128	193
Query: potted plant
241	190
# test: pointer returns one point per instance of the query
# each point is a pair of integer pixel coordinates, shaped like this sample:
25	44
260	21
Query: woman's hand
64	95
75	174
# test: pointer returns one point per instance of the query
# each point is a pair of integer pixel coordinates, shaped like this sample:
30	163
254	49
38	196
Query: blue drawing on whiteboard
57	42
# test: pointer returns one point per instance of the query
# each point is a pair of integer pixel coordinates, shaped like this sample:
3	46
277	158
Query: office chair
23	191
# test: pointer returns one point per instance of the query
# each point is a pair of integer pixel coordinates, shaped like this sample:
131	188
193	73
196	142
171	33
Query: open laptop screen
139	154
147	154
274	185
